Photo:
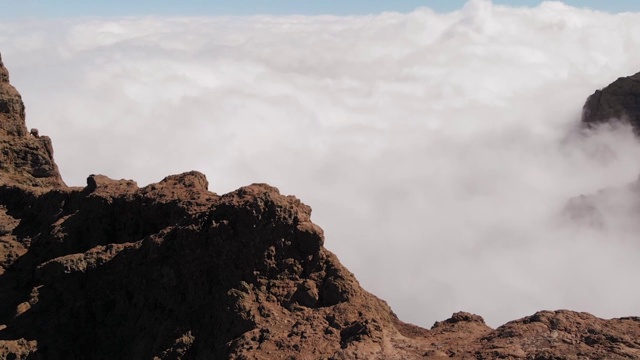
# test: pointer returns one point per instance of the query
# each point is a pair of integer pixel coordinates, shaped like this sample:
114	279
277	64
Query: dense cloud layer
437	150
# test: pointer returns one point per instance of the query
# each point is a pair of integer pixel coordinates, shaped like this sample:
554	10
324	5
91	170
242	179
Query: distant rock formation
174	271
619	100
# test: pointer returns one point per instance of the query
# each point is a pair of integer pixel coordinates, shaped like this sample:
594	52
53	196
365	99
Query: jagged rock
119	264
174	271
25	159
619	100
11	107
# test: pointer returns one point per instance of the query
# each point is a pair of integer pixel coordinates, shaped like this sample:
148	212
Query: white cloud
435	149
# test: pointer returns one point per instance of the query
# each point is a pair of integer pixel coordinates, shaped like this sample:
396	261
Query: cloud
438	151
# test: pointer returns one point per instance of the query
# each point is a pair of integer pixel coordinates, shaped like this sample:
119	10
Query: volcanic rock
174	271
618	101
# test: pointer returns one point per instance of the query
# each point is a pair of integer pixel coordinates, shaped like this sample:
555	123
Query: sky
12	9
439	150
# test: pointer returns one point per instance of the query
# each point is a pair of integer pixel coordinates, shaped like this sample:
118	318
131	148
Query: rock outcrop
25	158
619	100
174	271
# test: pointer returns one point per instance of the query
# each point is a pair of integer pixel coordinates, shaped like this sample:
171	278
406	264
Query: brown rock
20	349
564	335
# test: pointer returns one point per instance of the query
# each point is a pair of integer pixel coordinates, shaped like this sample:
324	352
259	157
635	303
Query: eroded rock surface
174	271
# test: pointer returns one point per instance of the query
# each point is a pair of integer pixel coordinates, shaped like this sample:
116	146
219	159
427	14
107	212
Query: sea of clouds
438	151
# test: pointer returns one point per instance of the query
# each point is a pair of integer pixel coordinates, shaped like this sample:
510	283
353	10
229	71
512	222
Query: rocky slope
174	271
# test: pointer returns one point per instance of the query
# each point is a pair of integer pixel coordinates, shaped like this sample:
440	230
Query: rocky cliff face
25	158
619	100
174	271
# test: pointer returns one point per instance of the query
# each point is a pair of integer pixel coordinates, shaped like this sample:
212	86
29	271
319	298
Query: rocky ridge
174	271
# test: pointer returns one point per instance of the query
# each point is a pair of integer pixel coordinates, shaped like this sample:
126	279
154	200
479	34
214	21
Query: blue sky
12	9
